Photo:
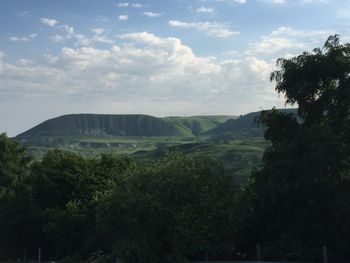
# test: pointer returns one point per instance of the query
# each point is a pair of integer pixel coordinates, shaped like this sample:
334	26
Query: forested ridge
188	207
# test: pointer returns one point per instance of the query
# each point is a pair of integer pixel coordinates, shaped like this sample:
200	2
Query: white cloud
82	40
48	22
210	28
286	40
203	9
123	4
98	31
51	59
100	35
57	38
23	38
145	74
69	29
152	14
123	17
18	39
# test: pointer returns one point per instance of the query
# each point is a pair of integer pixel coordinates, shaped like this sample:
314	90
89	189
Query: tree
298	202
167	211
17	214
66	189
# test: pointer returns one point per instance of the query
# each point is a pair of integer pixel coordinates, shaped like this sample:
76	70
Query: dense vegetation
188	207
75	208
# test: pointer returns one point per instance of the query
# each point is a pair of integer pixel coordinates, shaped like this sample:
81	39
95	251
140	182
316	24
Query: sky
155	57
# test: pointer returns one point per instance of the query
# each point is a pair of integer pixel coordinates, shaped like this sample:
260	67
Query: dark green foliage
15	196
67	187
77	208
13	164
300	192
171	210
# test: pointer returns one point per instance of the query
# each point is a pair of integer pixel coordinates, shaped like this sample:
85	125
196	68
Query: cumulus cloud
48	22
152	14
210	28
143	74
123	17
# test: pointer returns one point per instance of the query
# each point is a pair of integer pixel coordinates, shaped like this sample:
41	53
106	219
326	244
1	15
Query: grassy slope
101	125
199	124
240	128
123	125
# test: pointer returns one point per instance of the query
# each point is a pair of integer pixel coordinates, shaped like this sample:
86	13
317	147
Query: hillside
123	125
242	127
106	125
199	124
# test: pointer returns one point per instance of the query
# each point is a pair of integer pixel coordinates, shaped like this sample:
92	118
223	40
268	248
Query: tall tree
300	191
17	214
170	210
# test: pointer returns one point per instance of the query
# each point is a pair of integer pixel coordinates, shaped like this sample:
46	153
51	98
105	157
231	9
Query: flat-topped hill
123	125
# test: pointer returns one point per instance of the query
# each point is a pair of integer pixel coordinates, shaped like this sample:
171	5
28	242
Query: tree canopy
299	202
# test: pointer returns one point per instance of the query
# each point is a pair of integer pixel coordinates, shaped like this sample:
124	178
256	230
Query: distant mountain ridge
123	125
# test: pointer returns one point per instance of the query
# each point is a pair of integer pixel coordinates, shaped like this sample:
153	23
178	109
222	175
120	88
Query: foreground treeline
188	207
76	208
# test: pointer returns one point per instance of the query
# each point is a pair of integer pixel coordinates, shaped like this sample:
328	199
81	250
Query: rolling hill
242	127
123	125
199	124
